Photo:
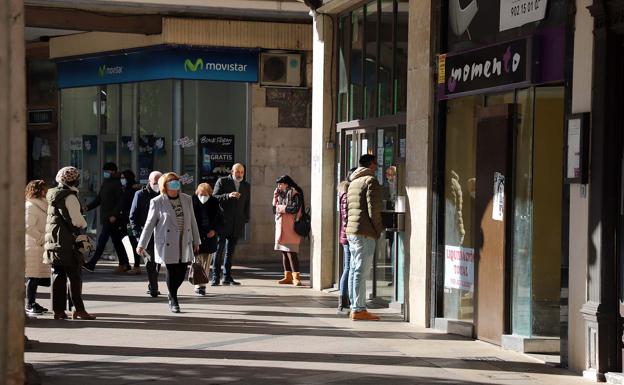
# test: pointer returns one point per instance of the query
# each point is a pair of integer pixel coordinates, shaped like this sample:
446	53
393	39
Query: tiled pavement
256	333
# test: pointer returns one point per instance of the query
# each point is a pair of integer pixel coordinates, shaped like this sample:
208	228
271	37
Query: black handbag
196	274
303	224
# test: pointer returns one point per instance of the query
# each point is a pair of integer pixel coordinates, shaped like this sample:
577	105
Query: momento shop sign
499	67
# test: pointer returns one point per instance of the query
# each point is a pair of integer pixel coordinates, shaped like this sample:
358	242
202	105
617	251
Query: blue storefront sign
236	65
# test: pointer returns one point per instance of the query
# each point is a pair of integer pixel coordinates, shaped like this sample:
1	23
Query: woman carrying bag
287	206
171	221
208	216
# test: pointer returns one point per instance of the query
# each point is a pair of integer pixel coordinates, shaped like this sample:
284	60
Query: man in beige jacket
363	228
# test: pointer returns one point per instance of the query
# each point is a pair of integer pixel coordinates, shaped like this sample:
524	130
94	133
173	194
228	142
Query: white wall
579	216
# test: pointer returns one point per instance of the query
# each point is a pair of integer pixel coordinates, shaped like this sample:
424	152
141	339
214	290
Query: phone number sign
515	13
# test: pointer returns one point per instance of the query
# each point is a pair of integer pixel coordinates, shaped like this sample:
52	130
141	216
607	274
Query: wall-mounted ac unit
280	69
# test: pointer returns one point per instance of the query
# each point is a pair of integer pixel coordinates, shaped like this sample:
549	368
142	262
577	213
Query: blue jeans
344	278
362	251
226	246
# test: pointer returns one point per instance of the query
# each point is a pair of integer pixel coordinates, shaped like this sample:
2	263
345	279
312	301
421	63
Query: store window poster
216	157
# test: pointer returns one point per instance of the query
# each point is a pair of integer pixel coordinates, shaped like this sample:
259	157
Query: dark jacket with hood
60	233
140	208
364	202
108	198
208	217
127	197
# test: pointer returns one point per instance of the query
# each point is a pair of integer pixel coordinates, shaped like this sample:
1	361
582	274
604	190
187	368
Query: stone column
322	194
13	155
418	162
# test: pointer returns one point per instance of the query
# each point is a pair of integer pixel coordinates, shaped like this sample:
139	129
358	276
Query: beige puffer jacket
364	204
36	214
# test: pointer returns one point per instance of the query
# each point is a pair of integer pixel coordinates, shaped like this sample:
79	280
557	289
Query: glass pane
547	177
523	217
344	56
79	122
370	64
400	77
127	149
459	235
386	57
356	91
110	99
155	119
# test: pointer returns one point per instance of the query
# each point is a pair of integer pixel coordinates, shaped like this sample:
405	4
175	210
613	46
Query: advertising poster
146	157
216	157
459	268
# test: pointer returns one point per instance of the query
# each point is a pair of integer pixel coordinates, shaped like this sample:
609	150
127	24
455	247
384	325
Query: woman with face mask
171	220
208	216
287	204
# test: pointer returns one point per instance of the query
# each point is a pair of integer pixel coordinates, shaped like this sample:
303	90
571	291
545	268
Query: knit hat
67	175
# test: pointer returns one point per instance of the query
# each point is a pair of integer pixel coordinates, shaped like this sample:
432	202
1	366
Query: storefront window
400	76
127	148
459	203
370	64
344	56
356	84
386	57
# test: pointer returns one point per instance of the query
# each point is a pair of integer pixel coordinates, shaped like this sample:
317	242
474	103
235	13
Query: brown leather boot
135	270
60	315
82	315
297	279
287	280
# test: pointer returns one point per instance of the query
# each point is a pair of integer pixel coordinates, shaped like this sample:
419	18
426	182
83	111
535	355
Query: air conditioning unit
280	69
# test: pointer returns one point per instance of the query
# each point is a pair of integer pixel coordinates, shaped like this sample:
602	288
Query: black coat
108	198
208	217
140	208
235	210
126	205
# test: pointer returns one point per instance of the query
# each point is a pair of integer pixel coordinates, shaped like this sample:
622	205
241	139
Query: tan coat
364	204
36	214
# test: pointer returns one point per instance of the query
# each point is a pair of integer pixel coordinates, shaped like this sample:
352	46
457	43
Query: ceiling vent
280	69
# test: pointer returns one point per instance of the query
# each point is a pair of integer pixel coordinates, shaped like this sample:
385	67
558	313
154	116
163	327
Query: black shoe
89	267
200	291
153	294
230	281
175	309
173	304
214	282
32	310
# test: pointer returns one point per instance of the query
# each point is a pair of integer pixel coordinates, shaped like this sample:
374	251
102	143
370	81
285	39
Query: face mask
107	174
155	188
203	198
174	185
124	182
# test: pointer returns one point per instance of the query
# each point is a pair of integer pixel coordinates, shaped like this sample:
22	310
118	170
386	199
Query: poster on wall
146	157
498	205
515	13
216	157
75	148
459	268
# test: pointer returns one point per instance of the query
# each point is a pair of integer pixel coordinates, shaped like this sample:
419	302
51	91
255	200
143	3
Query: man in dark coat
234	196
109	201
138	217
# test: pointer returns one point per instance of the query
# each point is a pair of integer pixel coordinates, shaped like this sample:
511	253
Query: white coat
36	215
162	223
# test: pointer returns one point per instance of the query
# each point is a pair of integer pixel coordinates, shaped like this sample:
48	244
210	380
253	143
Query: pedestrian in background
109	201
129	188
234	196
208	216
37	272
287	205
171	221
343	300
63	223
138	217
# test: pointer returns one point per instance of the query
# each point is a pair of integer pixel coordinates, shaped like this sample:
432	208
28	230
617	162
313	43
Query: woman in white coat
171	220
37	273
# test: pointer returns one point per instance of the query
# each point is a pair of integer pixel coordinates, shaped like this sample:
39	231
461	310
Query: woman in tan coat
37	273
287	205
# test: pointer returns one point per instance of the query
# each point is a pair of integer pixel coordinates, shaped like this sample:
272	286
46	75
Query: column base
521	344
450	326
593	375
615	378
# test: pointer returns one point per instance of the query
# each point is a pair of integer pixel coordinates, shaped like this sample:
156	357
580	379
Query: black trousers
31	288
110	230
60	275
153	269
226	246
176	272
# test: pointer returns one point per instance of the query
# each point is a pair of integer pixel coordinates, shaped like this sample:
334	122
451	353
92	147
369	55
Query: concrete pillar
322	194
12	178
418	161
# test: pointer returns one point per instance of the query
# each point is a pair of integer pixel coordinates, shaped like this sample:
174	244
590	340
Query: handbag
196	274
303	224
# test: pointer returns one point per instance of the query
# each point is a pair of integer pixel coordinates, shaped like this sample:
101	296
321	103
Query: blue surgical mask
124	182
107	174
174	185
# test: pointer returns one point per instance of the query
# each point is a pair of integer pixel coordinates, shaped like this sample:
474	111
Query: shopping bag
196	274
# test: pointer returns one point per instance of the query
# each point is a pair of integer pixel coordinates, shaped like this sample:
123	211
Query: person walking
37	273
287	206
364	226
109	198
138	216
234	195
129	188
63	223
343	300
171	221
208	216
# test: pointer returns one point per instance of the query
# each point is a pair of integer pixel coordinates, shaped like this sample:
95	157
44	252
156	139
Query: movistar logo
102	70
189	66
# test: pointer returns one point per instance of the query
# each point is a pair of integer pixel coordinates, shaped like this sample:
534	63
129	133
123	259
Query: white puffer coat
36	215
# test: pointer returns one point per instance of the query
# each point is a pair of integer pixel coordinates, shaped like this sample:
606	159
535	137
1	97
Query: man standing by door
109	201
233	194
363	228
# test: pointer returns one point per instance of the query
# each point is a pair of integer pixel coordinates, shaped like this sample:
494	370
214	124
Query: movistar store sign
237	65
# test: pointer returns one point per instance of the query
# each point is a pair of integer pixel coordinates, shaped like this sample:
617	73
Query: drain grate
482	359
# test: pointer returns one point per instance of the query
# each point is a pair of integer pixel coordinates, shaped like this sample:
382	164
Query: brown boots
297	279
83	315
287	280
